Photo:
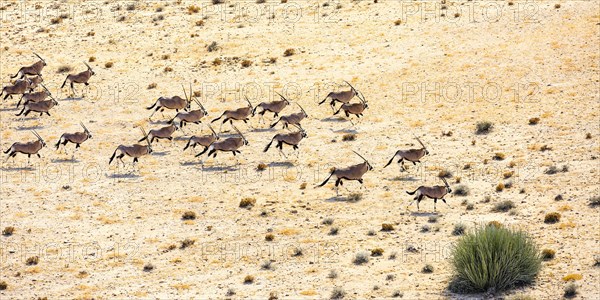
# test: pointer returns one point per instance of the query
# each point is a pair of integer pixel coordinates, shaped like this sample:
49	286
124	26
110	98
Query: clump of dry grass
8	231
387	227
64	69
167	69
355	197
334	231
327	221
272	60
361	258
459	229
193	9
398	22
572	277
217	62
427	269
148	267
444	174
571	288
261	167
269	237
34	260
109	65
212	47
289	52
483	127
246	63
548	254
247	202
377	252
248	279
152	86
499	156
3	285
186	243
337	293
534	121
461	190
503	206
552	218
349	137
594	201
495	224
92	59
188	215
500	187
303	186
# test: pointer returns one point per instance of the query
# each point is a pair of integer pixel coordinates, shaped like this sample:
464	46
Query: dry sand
95	227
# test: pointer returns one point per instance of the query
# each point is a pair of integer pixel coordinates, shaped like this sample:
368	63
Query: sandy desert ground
427	69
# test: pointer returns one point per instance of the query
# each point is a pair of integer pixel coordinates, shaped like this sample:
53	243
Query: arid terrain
427	69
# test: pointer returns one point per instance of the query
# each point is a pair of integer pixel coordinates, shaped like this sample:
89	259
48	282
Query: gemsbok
82	77
412	155
231	144
161	133
291	139
274	106
356	109
19	87
193	116
174	102
240	114
136	151
35	97
292	119
434	192
28	148
35	69
76	138
342	97
34	82
41	106
354	172
202	140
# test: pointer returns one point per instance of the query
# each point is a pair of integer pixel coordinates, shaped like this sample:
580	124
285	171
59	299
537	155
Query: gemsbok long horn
28	148
240	114
292	119
40	106
412	155
274	106
136	151
292	139
34	69
81	77
76	138
174	102
354	172
433	192
342	97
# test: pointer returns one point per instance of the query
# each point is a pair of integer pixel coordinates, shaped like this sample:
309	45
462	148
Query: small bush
303	185
499	156
393	255
217	62
461	190
272	60
545	148
486	199
508	174
349	137
186	243
289	52
246	63
199	23
594	201
212	47
108	65
444	174
8	231
548	254
327	221
3	285
425	228
427	269
390	277
55	21
148	267
193	9
397	294
261	167
333	231
557	6
470	206
459	229
504	206
398	22
387	227
188	215
248	279
269	237
337	293
333	274
167	69
588	136
361	258
500	187
34	260
297	251
552	218
247	202
377	252
64	69
355	197
534	121
267	265
571	288
483	127
92	59
433	219
152	86
511	258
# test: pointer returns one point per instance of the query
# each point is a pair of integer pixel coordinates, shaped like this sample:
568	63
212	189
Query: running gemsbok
342	97
354	172
76	138
35	69
41	106
412	155
193	116
174	102
162	133
136	151
274	106
35	97
434	192
231	144
240	114
356	109
202	140
28	148
292	119
292	139
19	87
81	77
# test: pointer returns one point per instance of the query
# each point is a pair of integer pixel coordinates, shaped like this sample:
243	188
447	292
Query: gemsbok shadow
65	160
333	119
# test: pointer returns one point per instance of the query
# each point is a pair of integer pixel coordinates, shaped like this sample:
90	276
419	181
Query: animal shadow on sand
16	169
65	160
129	175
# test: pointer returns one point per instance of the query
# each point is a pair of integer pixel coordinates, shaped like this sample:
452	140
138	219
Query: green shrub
493	258
504	206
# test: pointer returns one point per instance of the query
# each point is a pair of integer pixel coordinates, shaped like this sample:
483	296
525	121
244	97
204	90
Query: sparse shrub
459	229
594	201
92	59
261	167
148	267
551	170
248	279
273	295
152	86
427	269
552	218
34	260
3	285
557	6
393	255
390	277
564	169
444	174
289	52
355	197
193	9
545	148
572	277
433	219
186	243
188	215
495	224
500	187
470	206
461	190
499	156
511	258
486	199
558	197
333	274
64	69
327	221
508	184
267	265
272	60
247	202
8	231
597	261
246	63
230	292
377	252
361	258
337	293
261	1
333	231
297	251
504	206
412	249
108	65
269	237
483	127
398	22
508	174
217	62
165	56
121	18
55	21
167	69
303	186
534	121
571	288
397	294
349	137
548	254
425	228
387	227
588	136
200	23
212	47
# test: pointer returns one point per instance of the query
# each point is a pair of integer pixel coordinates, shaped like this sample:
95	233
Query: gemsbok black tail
327	179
